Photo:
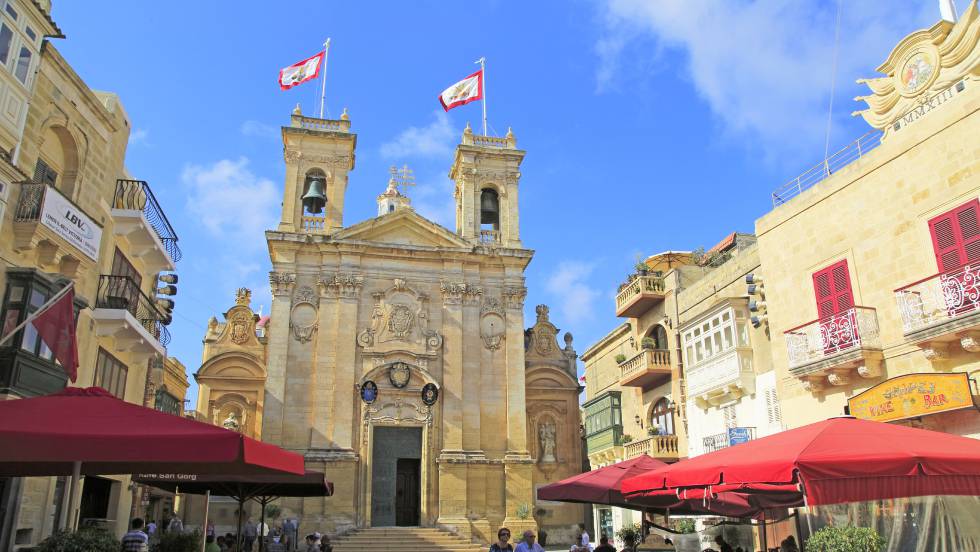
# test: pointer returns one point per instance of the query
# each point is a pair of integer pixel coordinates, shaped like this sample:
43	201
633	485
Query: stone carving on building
281	282
231	422
400	318
492	324
399	374
345	285
239	325
514	297
546	432
541	344
303	317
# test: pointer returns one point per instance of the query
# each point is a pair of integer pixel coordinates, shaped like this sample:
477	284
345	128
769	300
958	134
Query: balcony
138	216
831	349
605	446
124	312
732	437
647	369
61	236
941	310
489	236
723	378
661	447
638	295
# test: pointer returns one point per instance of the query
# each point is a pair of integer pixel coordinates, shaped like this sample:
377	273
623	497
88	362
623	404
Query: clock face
916	73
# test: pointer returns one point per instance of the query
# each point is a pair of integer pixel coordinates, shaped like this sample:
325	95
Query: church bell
314	199
489	207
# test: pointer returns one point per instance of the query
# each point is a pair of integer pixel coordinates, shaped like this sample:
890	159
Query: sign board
69	222
739	435
911	396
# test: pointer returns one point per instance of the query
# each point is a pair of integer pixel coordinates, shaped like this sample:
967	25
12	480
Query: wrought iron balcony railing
136	195
122	292
30	201
719	441
939	298
855	328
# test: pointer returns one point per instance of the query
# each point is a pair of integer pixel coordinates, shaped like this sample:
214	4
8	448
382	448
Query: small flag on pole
56	326
463	92
298	73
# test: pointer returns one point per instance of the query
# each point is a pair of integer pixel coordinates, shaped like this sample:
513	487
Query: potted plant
648	343
845	539
630	535
641	268
620	358
627	438
84	540
172	541
653	431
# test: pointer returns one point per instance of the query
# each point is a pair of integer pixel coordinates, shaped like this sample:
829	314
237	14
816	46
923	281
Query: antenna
947	10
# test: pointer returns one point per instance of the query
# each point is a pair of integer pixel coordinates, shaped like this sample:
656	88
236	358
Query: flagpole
323	86
37	313
483	81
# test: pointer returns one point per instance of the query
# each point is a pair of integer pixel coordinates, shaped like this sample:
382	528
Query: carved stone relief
492	323
345	285
303	317
400	319
281	282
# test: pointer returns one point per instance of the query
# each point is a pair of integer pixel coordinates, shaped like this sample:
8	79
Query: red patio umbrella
837	460
601	485
48	435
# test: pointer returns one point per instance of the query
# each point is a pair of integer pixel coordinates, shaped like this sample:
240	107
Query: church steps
406	539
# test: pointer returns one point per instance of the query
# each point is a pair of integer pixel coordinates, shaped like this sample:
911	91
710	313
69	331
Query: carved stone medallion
430	394
239	328
399	374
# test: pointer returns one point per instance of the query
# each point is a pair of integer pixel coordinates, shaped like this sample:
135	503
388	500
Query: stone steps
404	539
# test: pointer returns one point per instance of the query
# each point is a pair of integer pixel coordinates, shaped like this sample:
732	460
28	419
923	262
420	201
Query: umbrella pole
74	495
762	531
238	535
262	503
204	534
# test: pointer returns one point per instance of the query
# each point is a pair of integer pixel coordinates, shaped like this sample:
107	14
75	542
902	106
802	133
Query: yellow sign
912	395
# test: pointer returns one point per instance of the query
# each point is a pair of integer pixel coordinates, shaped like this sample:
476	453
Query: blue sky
649	125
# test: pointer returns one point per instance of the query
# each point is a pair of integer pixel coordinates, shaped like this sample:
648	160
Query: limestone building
73	213
395	356
869	273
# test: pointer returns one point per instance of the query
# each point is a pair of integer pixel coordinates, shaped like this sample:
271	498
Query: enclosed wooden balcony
647	369
638	295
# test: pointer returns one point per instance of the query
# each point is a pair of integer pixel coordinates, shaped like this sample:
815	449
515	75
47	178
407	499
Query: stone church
395	356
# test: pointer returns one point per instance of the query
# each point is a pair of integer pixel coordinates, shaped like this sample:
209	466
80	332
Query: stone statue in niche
231	422
546	432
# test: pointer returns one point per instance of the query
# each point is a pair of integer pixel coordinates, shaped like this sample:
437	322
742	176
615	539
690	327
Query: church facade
396	357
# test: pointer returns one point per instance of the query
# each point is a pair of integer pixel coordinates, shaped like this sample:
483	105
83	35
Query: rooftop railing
136	195
845	156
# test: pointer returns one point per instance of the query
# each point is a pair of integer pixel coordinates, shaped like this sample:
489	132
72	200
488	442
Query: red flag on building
56	326
463	92
298	73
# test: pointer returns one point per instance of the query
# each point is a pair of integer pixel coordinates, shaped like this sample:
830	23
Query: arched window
57	161
659	334
662	417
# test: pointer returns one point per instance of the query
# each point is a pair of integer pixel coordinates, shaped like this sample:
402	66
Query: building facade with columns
395	356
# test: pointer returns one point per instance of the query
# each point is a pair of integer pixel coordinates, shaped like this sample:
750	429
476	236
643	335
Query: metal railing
122	292
856	327
640	284
939	298
30	201
719	441
647	358
489	236
657	446
136	195
845	156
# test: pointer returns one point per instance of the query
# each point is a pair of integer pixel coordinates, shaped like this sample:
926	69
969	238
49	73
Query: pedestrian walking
176	525
502	544
528	543
151	529
209	529
584	541
136	540
722	545
251	531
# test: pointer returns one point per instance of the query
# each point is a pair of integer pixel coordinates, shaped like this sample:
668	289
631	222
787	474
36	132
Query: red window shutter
832	288
956	236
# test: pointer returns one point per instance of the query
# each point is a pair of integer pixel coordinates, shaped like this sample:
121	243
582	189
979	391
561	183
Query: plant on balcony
653	431
845	539
620	358
627	438
641	267
648	343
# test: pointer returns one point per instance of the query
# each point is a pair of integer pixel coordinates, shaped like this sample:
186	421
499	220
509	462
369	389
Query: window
832	288
30	33
773	414
731	419
603	413
23	64
122	267
6	36
956	237
110	374
25	294
715	336
662	417
44	174
11	11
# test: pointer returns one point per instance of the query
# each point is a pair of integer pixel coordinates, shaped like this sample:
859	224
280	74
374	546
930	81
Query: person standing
176	525
210	545
503	535
722	545
136	540
209	529
528	543
250	532
584	540
604	545
291	528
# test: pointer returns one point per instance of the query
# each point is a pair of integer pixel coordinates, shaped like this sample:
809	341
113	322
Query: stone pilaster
278	345
324	371
347	286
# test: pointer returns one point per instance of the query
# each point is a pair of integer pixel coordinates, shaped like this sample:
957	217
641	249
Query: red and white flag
298	73
56	326
463	92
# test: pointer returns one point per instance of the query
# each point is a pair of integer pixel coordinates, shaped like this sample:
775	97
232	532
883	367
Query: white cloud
259	129
764	66
575	297
230	201
435	140
138	137
433	199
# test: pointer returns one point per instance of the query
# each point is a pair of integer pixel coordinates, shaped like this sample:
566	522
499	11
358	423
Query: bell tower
486	170
318	153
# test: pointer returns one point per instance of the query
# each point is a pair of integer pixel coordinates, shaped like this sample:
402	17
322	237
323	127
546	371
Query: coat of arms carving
400	320
239	326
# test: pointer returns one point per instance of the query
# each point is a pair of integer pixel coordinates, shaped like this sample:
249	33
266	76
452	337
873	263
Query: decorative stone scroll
345	285
303	317
514	297
492	323
400	320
